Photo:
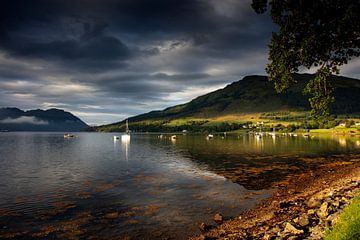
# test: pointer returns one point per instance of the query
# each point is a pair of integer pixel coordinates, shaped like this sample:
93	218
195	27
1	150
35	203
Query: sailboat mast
127	125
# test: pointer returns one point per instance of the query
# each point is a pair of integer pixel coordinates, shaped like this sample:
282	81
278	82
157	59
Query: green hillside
249	100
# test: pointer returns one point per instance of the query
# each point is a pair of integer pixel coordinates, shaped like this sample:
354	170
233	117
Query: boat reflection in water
125	142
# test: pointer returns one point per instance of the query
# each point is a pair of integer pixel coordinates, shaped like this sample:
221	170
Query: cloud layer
24	119
105	60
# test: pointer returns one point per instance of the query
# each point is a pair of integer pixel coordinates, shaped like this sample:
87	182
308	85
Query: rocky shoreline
300	210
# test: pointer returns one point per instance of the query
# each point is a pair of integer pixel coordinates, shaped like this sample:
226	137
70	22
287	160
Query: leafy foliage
324	34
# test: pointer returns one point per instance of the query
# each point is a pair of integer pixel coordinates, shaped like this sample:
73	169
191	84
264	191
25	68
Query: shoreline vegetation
310	206
281	122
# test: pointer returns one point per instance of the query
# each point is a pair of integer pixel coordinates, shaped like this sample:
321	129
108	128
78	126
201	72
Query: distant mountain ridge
14	119
255	94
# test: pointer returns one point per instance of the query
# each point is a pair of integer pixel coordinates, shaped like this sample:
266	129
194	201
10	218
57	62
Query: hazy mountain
14	119
255	94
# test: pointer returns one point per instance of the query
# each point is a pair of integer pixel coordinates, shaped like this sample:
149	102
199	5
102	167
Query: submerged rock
203	227
218	218
112	215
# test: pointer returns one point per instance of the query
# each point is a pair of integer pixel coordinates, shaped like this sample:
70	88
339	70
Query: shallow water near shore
91	186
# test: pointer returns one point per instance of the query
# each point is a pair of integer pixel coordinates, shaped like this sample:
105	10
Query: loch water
94	187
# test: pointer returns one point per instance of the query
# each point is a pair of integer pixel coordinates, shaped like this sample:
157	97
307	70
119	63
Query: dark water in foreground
92	187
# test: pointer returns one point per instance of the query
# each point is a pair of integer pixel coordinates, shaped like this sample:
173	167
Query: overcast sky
105	60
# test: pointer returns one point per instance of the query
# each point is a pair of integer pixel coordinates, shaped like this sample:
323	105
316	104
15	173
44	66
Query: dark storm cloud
123	57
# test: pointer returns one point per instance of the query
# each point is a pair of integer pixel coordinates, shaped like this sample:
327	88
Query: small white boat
126	137
116	138
173	137
69	135
209	136
273	134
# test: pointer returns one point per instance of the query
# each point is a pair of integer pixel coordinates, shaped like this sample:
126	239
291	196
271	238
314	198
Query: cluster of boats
273	134
258	135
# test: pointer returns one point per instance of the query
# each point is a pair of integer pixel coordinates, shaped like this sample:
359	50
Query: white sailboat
273	134
126	137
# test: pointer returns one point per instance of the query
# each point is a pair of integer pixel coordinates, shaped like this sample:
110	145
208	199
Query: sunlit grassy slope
348	225
251	99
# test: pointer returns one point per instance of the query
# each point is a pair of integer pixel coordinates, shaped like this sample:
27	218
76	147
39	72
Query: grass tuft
348	225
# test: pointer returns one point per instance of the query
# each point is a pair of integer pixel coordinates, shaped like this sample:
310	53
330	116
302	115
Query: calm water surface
149	188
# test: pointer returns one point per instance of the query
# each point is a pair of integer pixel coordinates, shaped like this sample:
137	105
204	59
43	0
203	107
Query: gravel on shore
300	210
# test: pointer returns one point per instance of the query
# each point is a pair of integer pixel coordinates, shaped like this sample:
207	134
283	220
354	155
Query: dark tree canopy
312	33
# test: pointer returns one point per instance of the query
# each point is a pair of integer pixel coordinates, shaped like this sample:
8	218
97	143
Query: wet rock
292	238
267	236
317	232
222	232
333	218
291	229
323	210
344	200
355	183
313	202
311	212
203	227
112	215
203	237
303	220
283	205
336	204
218	218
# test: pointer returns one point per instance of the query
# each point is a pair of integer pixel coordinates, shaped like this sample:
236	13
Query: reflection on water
98	186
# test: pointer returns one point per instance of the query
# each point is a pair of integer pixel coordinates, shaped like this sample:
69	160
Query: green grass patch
321	130
348	225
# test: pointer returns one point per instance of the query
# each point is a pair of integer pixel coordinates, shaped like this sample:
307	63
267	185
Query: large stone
267	237
292	230
313	202
323	210
316	233
218	218
332	219
303	220
311	212
336	203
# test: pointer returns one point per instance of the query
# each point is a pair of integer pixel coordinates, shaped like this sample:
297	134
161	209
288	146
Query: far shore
299	210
